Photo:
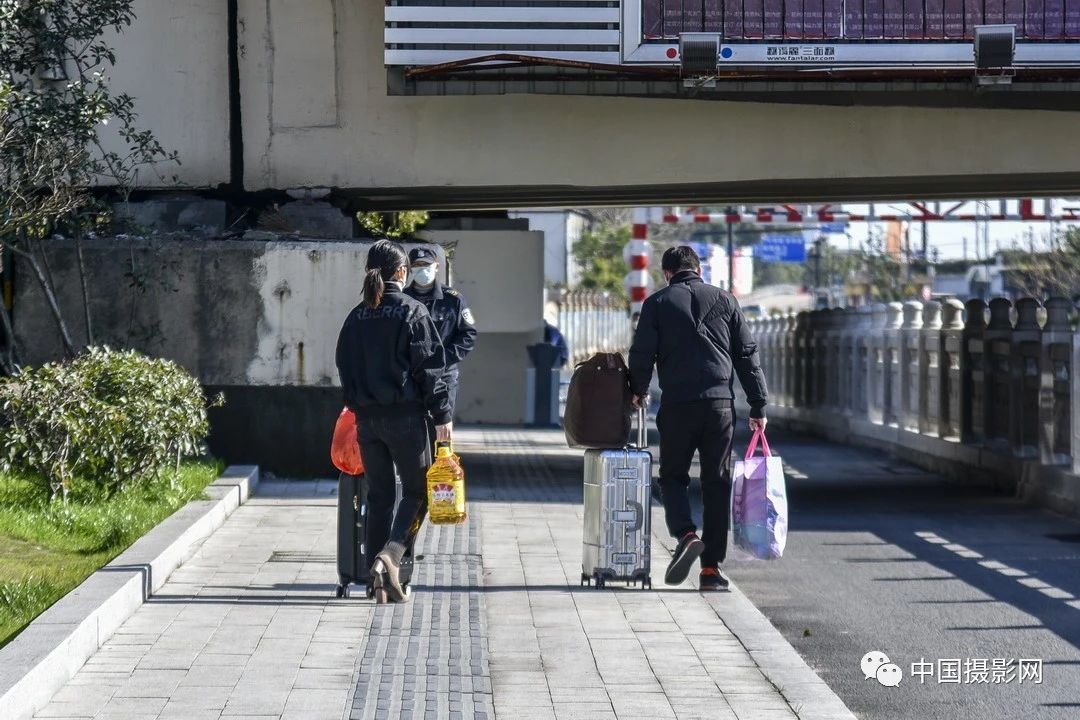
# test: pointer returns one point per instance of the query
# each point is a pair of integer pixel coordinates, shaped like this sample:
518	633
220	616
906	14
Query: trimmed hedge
107	419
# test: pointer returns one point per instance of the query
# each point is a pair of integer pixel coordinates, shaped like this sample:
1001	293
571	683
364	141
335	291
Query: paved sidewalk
499	626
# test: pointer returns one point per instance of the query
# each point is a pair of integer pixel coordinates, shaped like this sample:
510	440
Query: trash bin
542	381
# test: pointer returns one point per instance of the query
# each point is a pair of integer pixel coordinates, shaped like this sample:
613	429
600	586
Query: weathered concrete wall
316	112
196	302
501	274
174	61
493	379
283	429
233	312
259	321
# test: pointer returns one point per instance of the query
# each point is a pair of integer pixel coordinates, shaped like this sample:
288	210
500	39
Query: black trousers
704	427
401	442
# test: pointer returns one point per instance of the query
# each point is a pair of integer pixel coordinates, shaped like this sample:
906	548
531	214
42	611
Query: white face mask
424	275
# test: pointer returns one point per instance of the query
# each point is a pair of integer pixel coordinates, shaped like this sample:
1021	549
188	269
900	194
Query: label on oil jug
443	493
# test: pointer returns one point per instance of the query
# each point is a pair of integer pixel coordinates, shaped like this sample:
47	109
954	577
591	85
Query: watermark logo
876	664
979	671
890	675
954	671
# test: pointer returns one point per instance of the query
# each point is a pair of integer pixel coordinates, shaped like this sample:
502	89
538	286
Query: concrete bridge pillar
909	365
953	369
999	395
1075	404
819	324
976	357
790	351
876	365
859	354
930	369
1027	350
893	368
776	351
844	336
761	332
1056	416
801	361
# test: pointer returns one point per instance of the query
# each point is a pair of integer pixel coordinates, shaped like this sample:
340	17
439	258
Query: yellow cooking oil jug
446	487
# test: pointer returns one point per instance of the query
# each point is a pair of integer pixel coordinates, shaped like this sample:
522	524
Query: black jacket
698	339
390	359
453	318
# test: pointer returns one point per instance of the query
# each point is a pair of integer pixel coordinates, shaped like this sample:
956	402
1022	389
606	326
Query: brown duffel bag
598	404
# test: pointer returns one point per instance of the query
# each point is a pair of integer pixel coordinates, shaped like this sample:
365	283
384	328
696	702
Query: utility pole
907	253
817	267
730	254
925	241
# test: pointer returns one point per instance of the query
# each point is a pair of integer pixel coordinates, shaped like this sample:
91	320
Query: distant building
952	285
562	229
714	267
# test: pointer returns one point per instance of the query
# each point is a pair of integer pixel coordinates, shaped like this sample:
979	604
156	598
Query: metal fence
593	322
998	376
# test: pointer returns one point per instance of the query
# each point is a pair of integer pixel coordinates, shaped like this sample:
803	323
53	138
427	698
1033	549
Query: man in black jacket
696	336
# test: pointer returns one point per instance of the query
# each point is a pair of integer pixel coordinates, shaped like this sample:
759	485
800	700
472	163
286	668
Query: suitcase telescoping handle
642	427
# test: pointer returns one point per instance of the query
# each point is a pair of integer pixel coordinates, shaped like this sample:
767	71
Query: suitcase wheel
586	580
341	591
646	583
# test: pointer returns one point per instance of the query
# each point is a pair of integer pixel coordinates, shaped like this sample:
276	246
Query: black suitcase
352	538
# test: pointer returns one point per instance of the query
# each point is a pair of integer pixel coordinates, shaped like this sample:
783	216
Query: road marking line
962	551
1021	577
1056	593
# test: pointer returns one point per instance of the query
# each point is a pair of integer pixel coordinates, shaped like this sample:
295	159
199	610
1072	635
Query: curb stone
809	697
48	653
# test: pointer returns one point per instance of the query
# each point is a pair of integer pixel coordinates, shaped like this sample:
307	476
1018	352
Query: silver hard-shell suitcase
618	494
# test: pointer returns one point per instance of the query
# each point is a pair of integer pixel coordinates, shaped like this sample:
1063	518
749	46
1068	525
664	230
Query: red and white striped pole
637	257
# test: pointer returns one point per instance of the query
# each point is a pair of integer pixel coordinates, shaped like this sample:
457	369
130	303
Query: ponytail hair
384	259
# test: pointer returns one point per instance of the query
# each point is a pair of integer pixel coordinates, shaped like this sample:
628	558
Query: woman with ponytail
391	363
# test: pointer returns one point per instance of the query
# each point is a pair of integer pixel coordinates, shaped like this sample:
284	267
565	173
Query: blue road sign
781	248
837	228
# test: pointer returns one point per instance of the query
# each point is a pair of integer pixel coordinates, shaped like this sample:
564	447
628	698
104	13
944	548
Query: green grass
48	548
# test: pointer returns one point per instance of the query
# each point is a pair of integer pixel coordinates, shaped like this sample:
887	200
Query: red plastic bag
345	447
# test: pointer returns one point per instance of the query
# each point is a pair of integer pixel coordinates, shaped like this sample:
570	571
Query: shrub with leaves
108	418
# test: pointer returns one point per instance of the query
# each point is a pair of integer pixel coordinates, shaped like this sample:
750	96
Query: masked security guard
447	308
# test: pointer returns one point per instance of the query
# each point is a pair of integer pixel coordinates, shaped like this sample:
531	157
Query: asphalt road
884	557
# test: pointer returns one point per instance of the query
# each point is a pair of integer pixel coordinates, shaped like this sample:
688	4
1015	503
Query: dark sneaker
686	554
712	579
